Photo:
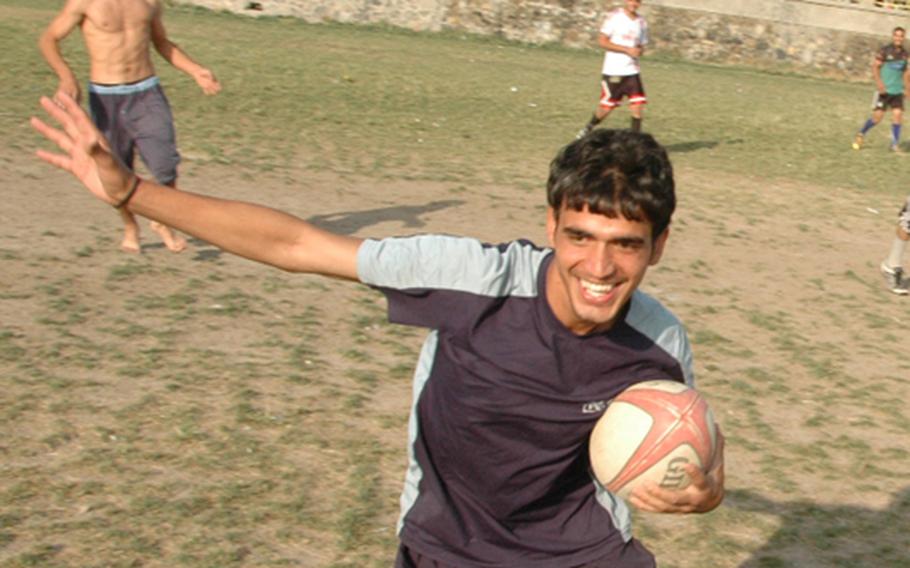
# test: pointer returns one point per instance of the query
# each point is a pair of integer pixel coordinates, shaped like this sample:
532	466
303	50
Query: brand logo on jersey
593	407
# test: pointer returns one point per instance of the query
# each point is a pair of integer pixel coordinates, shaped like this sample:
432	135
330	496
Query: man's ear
659	243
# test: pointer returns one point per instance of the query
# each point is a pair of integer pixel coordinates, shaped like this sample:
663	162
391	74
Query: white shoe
894	277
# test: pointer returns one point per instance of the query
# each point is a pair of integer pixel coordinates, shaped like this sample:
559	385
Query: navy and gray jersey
505	398
893	67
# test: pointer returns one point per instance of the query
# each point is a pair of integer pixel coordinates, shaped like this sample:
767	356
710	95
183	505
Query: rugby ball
648	433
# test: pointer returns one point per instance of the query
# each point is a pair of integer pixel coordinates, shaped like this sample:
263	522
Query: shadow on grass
204	251
408	215
812	534
695	145
208	254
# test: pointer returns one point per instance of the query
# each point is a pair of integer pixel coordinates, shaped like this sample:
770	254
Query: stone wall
828	37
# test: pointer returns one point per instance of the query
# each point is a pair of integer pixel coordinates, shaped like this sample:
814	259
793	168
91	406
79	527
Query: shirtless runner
125	97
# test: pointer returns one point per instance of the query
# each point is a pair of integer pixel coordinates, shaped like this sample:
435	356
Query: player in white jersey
623	35
891	267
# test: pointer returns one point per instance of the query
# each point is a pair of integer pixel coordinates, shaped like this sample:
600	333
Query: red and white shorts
614	87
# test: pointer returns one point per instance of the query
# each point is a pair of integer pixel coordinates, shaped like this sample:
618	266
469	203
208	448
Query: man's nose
600	262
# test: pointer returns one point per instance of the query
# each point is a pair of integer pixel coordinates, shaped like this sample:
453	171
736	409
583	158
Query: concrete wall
860	16
828	37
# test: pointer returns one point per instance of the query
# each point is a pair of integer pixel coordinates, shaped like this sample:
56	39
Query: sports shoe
894	277
896	148
583	132
857	141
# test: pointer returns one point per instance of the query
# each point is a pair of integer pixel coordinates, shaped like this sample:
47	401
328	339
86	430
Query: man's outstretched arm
252	231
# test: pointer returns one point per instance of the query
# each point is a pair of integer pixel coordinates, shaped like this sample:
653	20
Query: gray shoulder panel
650	318
451	263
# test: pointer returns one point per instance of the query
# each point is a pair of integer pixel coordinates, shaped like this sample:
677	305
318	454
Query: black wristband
129	194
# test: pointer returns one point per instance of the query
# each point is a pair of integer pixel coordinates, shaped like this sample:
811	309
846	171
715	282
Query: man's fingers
58	160
78	130
656	500
54	106
54	135
69	114
697	476
57	108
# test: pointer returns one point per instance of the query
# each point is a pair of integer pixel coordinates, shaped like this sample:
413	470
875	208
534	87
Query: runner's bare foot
130	249
130	242
174	242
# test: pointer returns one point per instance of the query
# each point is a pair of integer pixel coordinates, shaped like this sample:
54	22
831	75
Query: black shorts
884	101
614	87
635	555
137	116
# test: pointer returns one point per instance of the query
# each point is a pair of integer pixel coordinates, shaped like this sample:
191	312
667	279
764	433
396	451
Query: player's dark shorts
137	116
884	101
614	87
903	219
635	555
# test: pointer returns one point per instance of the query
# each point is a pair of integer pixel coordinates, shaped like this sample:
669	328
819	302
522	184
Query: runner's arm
65	22
172	53
877	74
604	41
252	231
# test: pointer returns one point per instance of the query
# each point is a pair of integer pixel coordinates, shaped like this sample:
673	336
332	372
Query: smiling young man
527	346
598	265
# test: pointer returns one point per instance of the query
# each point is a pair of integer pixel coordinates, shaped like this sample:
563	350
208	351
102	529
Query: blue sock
867	127
895	134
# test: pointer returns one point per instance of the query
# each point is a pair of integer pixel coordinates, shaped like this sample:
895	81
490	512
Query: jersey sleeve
882	54
608	27
656	322
440	281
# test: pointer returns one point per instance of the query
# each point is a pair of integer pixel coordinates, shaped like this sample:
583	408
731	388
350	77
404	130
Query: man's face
897	38
632	7
598	264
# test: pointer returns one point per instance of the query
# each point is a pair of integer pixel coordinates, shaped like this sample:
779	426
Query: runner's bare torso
117	35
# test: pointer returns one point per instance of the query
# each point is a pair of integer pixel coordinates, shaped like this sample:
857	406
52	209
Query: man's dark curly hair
613	173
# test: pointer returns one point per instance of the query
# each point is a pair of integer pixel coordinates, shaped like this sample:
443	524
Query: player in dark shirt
891	77
527	346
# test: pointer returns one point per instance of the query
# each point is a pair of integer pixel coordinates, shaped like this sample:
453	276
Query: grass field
199	410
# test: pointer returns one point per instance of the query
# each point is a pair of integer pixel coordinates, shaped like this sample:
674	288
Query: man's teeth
597	289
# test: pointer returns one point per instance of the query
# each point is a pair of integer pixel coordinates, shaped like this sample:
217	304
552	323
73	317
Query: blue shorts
137	116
